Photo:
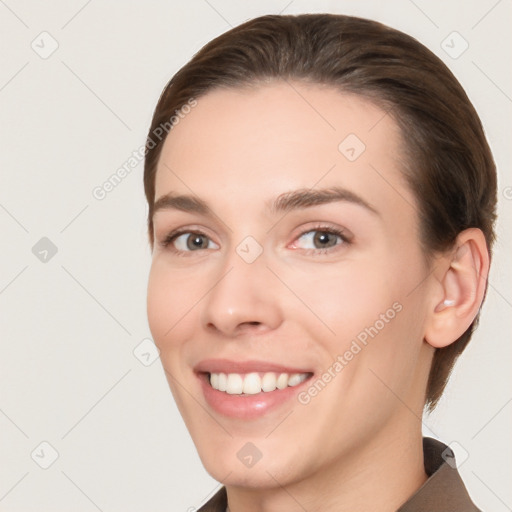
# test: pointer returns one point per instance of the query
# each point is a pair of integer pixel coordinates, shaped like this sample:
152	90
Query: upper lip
228	366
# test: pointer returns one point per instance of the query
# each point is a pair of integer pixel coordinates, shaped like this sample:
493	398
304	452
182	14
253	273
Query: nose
244	298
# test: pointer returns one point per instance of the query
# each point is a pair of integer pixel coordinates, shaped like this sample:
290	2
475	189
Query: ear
460	289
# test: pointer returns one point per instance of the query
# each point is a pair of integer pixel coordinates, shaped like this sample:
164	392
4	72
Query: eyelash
167	242
346	240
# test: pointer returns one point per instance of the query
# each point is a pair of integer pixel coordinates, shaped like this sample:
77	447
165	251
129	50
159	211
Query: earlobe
463	281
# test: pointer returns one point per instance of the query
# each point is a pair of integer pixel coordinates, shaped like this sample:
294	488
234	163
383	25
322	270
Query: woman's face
294	254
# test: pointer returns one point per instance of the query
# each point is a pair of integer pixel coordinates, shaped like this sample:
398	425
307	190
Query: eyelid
169	237
345	233
333	250
187	234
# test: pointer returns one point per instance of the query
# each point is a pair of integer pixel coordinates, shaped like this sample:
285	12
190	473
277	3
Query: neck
381	476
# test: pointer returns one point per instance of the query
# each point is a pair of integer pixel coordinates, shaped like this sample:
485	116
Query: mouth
251	389
255	382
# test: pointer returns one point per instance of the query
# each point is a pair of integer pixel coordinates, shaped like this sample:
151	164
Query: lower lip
247	407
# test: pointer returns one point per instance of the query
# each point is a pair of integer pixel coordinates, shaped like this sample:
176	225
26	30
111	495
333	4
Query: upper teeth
252	383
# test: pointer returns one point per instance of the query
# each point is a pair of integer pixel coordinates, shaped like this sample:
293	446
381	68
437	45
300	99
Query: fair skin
356	445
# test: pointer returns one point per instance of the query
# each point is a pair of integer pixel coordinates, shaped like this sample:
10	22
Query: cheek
379	327
367	303
170	300
345	299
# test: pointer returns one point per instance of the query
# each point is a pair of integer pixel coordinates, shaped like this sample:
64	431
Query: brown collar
444	490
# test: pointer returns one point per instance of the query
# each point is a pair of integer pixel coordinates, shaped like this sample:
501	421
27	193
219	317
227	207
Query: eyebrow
284	203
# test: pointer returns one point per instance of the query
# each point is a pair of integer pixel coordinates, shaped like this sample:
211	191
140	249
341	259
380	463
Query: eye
321	239
188	241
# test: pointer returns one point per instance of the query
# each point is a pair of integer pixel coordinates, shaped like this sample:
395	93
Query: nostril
250	327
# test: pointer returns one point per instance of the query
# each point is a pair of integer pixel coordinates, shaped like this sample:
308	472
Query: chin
261	477
241	463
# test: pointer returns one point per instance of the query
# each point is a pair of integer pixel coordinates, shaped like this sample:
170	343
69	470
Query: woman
321	209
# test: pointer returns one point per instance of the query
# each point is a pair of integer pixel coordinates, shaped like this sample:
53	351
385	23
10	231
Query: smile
254	382
251	389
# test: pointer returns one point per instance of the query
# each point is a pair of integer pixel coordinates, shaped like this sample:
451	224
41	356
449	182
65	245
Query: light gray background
69	325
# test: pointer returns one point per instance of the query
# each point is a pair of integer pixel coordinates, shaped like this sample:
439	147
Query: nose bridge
241	293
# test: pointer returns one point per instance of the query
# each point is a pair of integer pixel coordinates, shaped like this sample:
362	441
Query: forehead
269	139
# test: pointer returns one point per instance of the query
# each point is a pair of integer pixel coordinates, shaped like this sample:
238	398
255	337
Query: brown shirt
444	490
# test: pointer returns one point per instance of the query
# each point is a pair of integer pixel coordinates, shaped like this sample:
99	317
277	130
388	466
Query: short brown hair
450	167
